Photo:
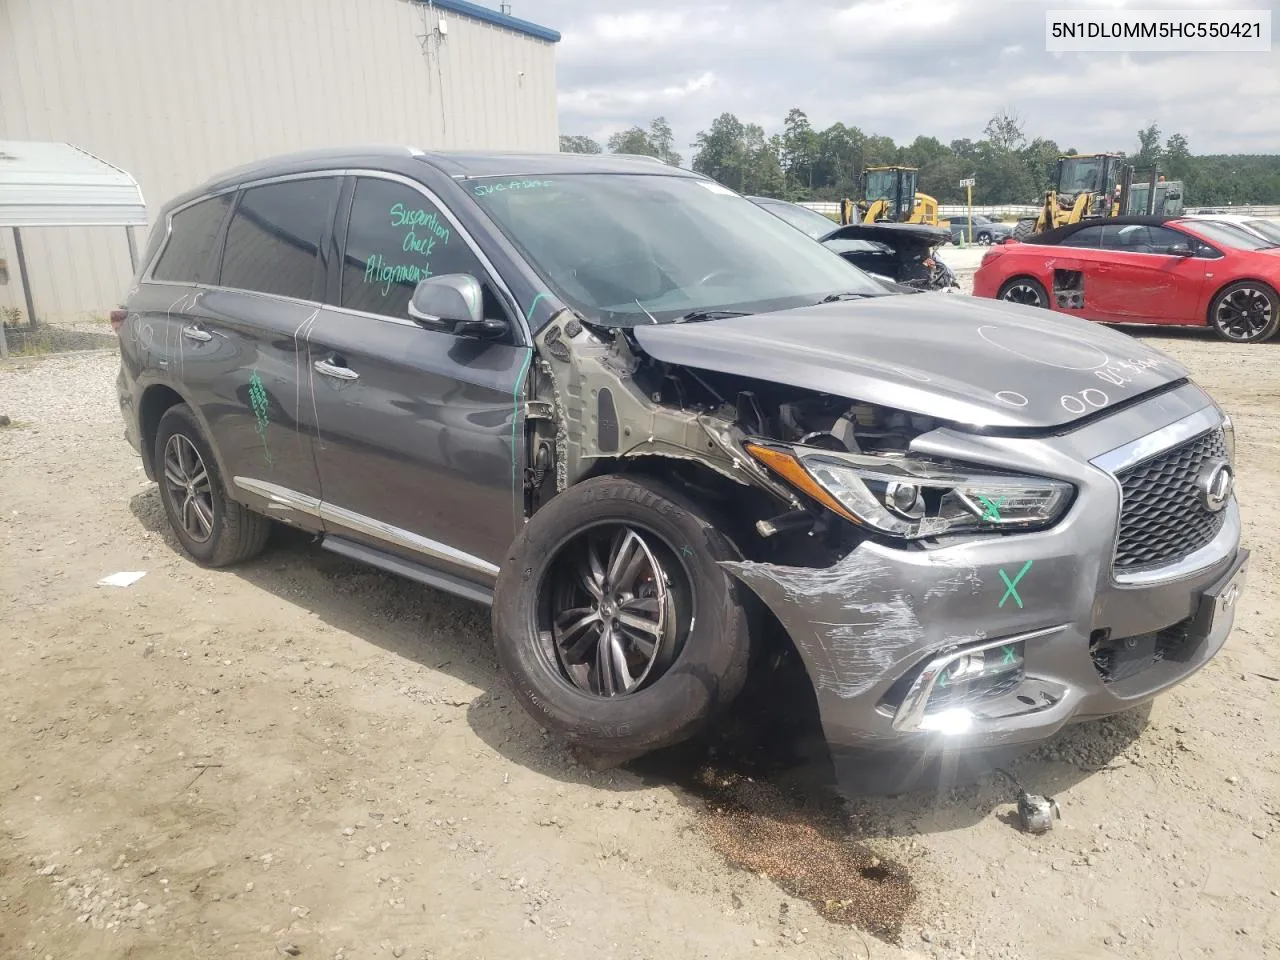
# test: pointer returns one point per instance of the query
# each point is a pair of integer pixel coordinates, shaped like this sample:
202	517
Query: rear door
416	440
245	341
1139	281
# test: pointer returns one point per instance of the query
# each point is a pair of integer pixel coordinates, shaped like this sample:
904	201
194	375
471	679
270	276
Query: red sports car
1171	270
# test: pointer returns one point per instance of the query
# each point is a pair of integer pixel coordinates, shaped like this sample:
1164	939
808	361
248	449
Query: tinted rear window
274	238
188	255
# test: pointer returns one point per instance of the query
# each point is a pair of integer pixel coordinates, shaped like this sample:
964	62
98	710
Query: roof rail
641	156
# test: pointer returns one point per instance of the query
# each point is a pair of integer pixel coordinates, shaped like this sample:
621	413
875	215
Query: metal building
173	91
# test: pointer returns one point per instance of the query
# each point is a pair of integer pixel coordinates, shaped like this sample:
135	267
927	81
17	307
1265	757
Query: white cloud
901	68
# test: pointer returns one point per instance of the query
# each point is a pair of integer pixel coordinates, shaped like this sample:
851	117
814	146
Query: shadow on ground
763	784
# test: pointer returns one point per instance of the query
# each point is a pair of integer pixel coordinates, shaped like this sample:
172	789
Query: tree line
802	163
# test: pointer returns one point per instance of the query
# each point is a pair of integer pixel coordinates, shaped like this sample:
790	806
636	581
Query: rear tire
1027	291
1245	312
213	529
984	239
695	614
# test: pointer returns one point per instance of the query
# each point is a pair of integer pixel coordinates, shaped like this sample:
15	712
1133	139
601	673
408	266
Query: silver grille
1163	517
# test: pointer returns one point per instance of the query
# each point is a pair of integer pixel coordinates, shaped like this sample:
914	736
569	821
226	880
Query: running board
407	568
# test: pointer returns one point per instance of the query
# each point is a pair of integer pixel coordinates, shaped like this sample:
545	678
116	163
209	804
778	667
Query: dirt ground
306	757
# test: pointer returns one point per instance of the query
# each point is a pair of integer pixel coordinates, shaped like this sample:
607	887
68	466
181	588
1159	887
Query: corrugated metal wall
174	91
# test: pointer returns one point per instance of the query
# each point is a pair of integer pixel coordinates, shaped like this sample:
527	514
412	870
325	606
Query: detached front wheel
615	623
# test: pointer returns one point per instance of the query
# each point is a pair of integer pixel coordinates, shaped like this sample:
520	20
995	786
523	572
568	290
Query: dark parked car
672	442
902	253
982	229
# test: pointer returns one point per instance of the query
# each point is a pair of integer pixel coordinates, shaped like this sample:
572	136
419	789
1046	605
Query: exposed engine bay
603	405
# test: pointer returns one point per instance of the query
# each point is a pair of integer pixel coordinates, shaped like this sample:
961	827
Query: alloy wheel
1244	314
190	490
610	614
1024	294
984	239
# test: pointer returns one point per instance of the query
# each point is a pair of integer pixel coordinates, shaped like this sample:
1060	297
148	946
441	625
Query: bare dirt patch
303	754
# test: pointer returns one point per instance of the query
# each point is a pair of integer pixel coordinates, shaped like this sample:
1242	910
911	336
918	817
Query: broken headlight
914	499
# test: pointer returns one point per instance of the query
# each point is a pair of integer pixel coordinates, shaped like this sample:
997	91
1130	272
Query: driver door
1139	281
415	439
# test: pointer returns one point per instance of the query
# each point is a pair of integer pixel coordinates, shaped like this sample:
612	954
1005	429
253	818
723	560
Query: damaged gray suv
664	434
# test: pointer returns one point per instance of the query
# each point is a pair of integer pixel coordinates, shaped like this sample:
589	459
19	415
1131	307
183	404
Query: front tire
1024	228
613	620
213	529
1027	291
1245	312
984	239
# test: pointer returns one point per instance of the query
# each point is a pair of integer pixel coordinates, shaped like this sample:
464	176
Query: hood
891	233
980	362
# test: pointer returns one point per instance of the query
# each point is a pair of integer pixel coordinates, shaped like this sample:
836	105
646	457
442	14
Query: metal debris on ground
1036	813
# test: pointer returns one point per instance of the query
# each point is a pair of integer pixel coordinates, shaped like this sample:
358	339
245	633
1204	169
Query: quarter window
1088	237
395	239
274	238
193	233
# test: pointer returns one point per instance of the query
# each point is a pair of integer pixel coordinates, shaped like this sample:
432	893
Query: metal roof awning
60	185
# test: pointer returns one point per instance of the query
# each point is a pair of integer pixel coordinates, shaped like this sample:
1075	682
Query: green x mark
992	511
1010	655
1013	584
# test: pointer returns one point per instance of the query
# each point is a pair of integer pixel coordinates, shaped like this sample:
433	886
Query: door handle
330	369
193	332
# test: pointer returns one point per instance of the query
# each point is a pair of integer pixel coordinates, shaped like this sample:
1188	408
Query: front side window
274	238
193	232
396	238
630	249
1140	238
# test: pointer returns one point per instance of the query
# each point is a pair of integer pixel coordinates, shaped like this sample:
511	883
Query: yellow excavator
889	195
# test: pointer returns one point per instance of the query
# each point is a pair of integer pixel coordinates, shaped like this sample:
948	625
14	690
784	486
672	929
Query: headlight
911	498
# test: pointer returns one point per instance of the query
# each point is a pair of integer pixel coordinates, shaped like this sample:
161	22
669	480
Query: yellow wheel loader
889	195
1086	186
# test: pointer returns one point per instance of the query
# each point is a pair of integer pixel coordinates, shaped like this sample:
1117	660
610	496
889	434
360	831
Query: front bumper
879	629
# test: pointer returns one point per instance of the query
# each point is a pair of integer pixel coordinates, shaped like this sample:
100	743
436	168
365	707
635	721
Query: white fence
1001	211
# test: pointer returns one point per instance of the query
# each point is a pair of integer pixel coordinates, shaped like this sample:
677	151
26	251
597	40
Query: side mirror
1179	250
453	303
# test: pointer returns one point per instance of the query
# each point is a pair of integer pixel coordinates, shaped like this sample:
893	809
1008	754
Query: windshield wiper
695	316
833	297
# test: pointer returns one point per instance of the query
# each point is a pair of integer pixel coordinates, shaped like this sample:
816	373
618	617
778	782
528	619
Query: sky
899	68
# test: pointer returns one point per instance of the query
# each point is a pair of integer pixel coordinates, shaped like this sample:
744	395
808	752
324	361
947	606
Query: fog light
952	721
984	665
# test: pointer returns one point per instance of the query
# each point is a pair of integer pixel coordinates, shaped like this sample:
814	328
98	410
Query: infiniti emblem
1215	483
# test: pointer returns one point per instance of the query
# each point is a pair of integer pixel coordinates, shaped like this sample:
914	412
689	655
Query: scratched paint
869	621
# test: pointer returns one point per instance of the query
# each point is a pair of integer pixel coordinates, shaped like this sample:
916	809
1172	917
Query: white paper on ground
126	578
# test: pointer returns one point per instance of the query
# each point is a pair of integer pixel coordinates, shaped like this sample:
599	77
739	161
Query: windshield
1079	175
1229	235
1268	228
802	218
630	249
882	185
